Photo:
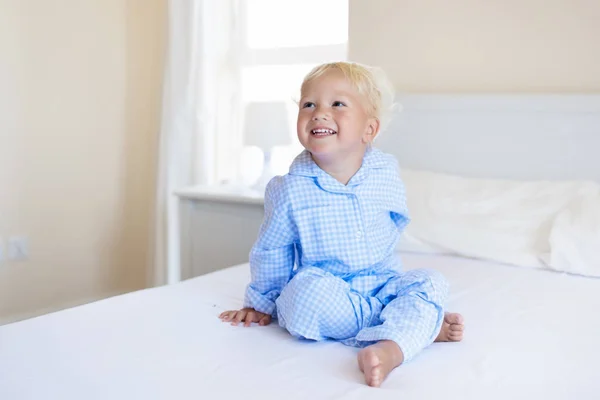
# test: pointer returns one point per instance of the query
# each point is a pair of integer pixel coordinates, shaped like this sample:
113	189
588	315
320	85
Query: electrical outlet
18	249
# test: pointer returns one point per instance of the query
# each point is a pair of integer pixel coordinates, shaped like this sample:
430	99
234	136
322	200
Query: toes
364	360
374	378
370	358
454	318
370	365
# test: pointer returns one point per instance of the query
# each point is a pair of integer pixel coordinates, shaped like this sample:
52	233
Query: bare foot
378	360
452	328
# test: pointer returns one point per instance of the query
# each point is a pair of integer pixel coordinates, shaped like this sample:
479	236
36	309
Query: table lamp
266	125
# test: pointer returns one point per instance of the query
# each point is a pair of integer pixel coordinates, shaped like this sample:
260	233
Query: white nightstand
218	226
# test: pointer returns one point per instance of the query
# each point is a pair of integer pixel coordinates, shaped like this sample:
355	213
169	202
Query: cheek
345	120
356	120
303	119
300	125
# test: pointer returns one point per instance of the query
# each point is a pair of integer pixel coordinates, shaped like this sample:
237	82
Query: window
280	42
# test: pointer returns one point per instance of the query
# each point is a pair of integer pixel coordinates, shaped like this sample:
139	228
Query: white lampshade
266	124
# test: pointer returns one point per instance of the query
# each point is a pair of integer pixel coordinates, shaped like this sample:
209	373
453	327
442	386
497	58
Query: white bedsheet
530	334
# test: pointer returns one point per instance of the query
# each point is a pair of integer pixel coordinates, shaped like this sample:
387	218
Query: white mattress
530	334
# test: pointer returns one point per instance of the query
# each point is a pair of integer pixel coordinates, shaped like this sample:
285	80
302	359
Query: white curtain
200	88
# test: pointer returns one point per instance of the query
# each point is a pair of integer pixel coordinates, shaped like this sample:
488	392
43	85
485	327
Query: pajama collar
304	165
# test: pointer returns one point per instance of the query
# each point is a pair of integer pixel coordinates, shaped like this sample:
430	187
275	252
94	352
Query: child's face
332	118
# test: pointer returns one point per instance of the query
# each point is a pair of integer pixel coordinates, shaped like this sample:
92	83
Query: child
338	214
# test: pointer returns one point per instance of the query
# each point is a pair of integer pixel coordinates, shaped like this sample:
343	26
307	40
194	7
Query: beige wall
79	114
479	46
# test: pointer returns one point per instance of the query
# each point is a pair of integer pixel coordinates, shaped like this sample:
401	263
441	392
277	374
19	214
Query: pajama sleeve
272	256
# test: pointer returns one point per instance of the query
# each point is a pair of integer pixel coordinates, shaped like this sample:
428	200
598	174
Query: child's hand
245	315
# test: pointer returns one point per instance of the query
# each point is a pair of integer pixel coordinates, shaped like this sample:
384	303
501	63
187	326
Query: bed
531	332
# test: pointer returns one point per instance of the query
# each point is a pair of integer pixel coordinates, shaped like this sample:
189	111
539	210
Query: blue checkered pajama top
324	262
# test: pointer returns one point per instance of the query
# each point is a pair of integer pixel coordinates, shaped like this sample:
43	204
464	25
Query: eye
308	104
338	104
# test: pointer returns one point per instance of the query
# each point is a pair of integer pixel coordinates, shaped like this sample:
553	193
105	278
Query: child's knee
433	283
315	305
307	290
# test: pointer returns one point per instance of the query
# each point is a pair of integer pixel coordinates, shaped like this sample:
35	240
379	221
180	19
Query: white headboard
498	136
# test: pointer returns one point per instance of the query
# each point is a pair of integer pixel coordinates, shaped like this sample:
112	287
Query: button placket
360	231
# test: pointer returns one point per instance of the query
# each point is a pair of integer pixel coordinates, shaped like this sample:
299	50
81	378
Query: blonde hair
370	82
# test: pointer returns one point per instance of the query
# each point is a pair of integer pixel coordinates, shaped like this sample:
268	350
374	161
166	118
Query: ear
372	131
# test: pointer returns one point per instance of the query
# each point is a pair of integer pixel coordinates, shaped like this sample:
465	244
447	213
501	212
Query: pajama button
358	234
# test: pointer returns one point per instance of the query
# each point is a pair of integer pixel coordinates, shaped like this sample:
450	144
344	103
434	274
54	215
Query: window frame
230	146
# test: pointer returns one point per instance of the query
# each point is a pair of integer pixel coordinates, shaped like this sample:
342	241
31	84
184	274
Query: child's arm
399	210
271	258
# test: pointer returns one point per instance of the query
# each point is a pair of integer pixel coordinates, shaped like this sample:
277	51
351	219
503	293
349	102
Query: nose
321	113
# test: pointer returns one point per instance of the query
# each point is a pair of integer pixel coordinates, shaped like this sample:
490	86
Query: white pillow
501	220
575	237
410	244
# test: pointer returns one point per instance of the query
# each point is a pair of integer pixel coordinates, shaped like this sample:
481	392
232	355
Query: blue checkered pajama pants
405	307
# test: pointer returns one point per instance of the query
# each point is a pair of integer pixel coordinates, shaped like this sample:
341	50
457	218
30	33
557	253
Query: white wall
480	46
79	114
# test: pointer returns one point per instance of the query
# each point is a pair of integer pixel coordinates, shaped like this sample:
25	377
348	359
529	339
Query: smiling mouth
323	132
